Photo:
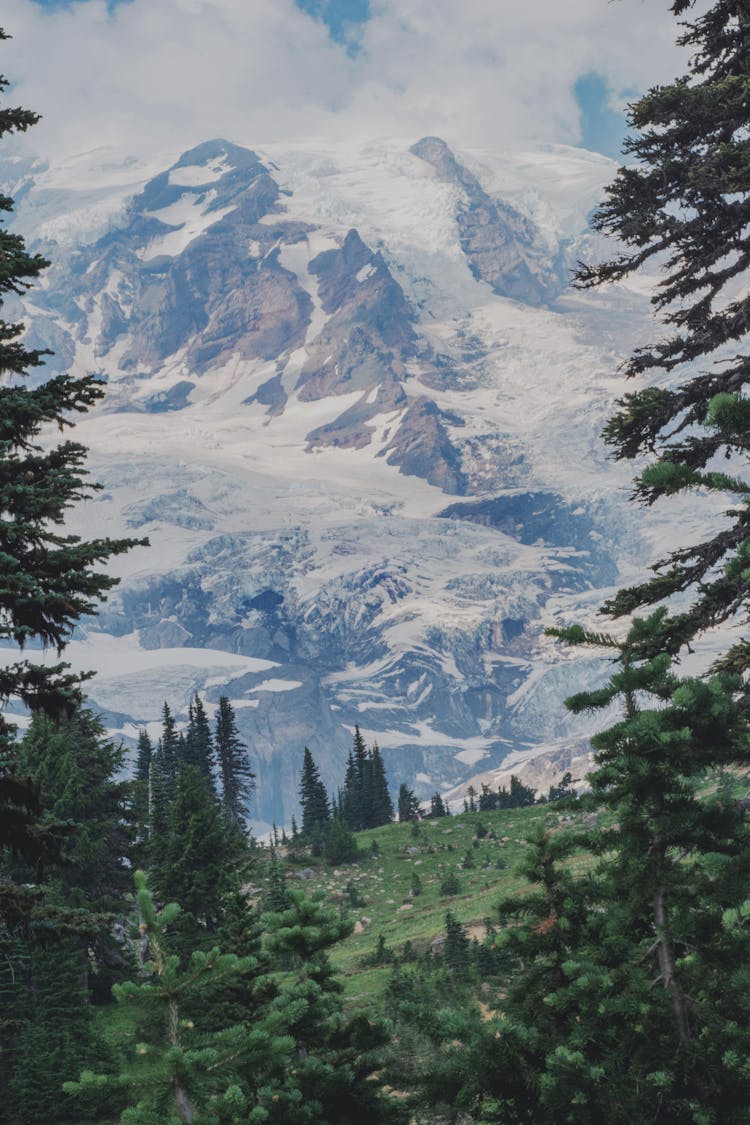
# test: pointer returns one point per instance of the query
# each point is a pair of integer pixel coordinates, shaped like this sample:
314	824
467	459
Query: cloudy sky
160	75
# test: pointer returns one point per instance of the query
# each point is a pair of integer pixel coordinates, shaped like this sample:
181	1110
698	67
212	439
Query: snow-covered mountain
355	405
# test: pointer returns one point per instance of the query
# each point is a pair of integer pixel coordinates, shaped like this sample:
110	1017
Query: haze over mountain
356	405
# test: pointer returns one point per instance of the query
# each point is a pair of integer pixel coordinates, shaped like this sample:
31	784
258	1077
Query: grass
384	882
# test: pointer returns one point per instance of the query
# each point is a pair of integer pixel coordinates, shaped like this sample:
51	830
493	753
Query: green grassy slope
384	882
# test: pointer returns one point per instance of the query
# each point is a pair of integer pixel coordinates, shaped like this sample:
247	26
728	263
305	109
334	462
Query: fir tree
408	804
168	750
49	580
456	948
56	1042
437	807
195	856
337	1057
313	798
142	784
237	778
660	939
198	749
177	1074
381	805
682	199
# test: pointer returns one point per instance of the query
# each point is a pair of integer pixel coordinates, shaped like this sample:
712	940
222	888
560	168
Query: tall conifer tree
237	777
683	200
316	812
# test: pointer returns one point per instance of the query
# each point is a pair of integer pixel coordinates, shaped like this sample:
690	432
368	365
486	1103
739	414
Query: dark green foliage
408	804
177	1073
456	948
683	198
340	845
56	1041
564	791
364	800
337	1056
628	993
450	884
142	785
519	796
237	778
198	747
193	860
49	580
416	885
167	759
274	895
313	799
437	807
76	767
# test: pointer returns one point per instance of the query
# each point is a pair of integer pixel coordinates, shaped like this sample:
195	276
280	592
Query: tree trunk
665	947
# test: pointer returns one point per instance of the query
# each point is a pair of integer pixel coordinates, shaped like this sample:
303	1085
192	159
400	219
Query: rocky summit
355	404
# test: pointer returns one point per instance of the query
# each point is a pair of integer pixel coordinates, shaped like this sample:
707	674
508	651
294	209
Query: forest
160	965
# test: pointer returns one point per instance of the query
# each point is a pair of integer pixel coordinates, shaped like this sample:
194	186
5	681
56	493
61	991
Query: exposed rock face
303	376
502	246
422	446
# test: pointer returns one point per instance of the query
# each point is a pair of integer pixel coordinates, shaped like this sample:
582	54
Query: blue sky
480	73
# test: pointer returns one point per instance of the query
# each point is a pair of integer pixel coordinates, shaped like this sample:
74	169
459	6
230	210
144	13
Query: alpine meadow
375	566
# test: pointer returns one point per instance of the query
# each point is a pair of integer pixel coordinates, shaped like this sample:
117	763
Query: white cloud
165	74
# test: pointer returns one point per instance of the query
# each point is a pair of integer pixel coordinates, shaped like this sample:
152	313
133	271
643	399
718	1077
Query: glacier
356	405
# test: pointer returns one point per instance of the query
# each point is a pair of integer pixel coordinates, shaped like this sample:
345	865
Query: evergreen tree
632	982
381	805
177	1074
337	1057
350	804
340	845
362	781
76	768
456	948
408	803
49	580
313	798
437	807
142	784
682	199
195	860
168	751
56	1041
237	778
198	749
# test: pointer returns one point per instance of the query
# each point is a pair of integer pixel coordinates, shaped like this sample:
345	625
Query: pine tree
408	804
316	813
56	1042
78	771
362	781
237	778
168	751
683	199
142	784
350	804
671	887
456	948
196	857
437	807
198	749
177	1073
337	1057
381	805
48	578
